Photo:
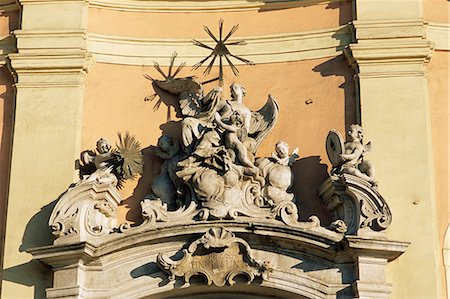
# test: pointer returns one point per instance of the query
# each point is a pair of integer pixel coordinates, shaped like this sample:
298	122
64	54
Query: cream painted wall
438	78
395	112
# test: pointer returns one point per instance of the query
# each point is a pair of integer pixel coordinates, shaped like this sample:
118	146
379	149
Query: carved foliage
219	257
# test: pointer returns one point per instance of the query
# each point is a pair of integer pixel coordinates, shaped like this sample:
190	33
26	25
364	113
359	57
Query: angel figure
198	111
281	154
196	108
352	159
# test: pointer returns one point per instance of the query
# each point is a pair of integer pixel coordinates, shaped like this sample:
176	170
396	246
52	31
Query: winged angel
220	138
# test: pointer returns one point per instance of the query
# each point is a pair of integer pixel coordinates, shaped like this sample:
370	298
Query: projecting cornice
259	49
202	6
439	34
389	48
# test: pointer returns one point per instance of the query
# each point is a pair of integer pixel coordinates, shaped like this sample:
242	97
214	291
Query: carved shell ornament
218	267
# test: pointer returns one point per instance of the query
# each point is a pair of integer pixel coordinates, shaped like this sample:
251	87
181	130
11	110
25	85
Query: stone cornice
259	49
202	6
389	48
56	70
439	34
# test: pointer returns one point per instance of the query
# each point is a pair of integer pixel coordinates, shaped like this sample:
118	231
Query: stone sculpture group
213	173
215	167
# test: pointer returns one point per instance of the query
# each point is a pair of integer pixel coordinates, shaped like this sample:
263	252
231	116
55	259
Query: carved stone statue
102	162
350	193
89	208
278	174
215	173
349	157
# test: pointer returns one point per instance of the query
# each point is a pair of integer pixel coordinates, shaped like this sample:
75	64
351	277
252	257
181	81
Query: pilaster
49	68
389	56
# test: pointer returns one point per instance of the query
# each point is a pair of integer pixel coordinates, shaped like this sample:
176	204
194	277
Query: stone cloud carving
219	257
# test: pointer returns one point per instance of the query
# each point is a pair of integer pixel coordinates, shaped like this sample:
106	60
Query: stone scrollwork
351	192
218	256
213	173
85	211
89	208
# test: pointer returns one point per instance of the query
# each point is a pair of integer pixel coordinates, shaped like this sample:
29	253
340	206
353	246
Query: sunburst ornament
221	51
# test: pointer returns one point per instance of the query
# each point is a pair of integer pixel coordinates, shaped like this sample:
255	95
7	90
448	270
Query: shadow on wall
309	174
338	66
34	274
6	127
152	163
345	8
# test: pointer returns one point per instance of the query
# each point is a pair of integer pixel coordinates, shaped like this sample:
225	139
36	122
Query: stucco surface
188	25
438	78
436	11
114	101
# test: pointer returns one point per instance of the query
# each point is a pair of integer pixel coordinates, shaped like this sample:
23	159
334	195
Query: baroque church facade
224	149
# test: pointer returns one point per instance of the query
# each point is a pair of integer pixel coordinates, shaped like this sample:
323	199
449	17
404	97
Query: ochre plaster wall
114	101
438	78
436	11
189	25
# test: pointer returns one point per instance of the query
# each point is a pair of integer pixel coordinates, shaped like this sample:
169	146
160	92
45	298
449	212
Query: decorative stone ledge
302	263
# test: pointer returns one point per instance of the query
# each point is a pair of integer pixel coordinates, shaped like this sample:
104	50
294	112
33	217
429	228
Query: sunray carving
221	51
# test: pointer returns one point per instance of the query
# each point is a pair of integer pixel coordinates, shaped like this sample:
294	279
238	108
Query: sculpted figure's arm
224	125
355	154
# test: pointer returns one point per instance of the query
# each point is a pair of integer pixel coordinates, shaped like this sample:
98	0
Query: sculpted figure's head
356	132
282	149
103	146
237	91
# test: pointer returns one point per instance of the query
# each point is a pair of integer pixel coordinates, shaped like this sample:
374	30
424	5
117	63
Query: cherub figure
235	135
281	154
103	169
352	159
167	186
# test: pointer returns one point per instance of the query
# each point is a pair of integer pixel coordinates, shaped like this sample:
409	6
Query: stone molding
259	49
389	48
202	6
302	262
438	33
46	71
